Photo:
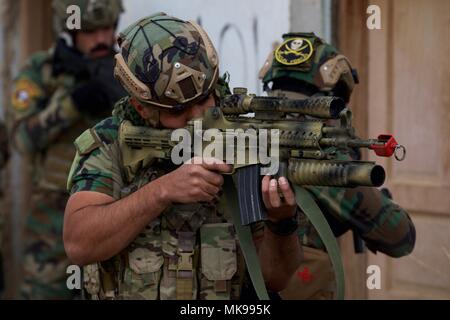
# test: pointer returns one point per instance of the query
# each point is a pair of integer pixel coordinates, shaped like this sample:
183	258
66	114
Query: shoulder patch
294	51
24	92
87	142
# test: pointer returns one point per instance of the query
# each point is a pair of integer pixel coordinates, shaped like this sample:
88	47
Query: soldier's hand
195	181
278	208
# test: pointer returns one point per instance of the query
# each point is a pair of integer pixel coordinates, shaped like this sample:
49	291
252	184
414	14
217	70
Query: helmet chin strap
68	38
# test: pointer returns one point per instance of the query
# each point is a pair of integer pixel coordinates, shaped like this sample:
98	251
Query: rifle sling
306	202
245	239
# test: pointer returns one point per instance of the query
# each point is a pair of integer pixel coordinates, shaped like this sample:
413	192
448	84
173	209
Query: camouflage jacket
46	121
189	252
98	167
381	223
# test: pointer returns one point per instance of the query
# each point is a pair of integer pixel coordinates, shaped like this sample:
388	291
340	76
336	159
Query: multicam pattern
366	210
153	62
151	263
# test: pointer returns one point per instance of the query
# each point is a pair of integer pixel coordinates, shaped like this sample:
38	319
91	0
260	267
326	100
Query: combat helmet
306	64
94	14
166	63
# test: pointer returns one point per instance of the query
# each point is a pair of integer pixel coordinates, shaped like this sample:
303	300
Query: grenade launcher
308	149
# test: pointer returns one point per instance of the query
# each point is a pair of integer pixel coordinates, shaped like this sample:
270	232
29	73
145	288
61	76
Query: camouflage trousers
44	258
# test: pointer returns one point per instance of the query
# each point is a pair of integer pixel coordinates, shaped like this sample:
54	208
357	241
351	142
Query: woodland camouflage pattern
45	260
190	251
46	124
94	13
371	214
307	72
172	41
148	266
383	224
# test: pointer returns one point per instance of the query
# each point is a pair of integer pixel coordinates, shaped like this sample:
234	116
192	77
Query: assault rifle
309	150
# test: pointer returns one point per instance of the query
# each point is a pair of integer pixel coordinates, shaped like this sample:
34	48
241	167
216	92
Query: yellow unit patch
24	93
294	51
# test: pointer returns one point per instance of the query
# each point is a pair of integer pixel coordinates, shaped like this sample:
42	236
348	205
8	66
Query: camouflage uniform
147	268
368	212
190	251
47	120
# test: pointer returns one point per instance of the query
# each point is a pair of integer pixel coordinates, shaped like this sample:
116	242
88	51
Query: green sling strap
245	239
306	202
309	207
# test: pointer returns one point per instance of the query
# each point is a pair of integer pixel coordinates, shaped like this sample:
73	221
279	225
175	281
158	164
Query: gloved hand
91	98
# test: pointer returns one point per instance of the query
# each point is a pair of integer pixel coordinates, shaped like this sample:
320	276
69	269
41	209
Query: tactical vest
189	252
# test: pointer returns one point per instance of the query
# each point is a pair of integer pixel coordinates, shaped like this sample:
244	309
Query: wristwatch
284	227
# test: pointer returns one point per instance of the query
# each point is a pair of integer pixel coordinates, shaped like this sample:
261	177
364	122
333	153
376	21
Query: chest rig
189	252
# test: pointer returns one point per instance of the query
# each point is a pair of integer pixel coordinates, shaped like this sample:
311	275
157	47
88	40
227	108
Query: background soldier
144	228
318	69
56	96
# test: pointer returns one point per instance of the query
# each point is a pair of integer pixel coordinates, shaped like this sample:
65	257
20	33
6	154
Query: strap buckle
185	262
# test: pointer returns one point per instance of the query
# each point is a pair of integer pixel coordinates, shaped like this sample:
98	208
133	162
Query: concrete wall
311	16
242	31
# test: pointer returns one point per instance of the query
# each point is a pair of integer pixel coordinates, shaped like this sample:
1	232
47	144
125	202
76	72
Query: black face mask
89	72
70	60
67	59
